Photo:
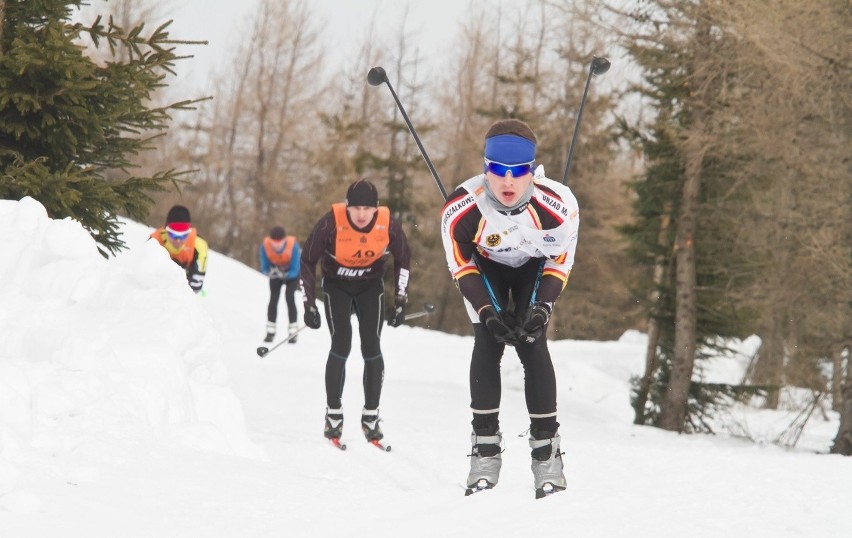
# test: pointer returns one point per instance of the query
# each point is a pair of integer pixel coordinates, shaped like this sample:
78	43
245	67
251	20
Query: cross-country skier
510	237
184	245
351	242
279	260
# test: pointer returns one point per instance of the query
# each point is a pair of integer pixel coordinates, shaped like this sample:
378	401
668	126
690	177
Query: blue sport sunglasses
178	236
502	169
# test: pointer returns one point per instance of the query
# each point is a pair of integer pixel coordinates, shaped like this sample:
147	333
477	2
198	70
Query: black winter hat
178	213
277	233
362	193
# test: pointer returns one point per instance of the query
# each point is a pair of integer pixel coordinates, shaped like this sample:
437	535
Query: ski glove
501	325
537	317
312	316
196	281
396	316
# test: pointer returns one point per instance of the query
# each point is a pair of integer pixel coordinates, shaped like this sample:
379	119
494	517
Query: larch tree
790	123
255	137
601	306
673	409
753	101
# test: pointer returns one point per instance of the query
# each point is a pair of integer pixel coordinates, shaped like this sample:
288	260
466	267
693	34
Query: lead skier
510	236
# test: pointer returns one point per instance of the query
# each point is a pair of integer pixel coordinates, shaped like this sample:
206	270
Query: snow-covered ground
131	407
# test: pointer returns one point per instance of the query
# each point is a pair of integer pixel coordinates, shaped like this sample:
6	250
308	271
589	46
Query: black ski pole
599	66
264	351
428	308
375	77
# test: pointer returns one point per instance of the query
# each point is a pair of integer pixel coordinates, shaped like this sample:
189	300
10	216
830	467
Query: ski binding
546	489
481	485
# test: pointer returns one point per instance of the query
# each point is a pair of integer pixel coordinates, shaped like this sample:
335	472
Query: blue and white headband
509	149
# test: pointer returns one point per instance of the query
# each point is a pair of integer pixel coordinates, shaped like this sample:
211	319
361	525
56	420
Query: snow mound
98	356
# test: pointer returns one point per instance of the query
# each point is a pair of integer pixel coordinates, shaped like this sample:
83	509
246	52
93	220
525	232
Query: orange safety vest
280	258
186	254
360	249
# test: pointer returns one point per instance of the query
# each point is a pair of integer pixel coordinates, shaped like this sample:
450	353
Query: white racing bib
507	236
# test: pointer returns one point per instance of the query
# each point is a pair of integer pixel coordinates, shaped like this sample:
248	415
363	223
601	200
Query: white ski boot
370	425
547	466
333	423
485	462
291	331
270	331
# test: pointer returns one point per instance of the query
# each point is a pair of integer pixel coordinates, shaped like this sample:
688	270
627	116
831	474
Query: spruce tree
76	108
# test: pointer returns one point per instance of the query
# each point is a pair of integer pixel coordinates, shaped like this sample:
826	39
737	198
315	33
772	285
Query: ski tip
336	443
376	443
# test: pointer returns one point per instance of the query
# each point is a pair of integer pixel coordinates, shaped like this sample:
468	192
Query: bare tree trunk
674	407
837	379
770	361
651	363
843	441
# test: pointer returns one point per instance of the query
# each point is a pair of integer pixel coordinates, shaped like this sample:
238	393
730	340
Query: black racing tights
485	385
275	285
366	299
512	287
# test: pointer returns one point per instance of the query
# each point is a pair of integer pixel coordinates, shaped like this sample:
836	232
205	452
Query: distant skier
351	242
184	245
510	238
279	260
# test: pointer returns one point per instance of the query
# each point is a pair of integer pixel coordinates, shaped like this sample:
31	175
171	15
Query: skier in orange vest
279	260
184	245
351	242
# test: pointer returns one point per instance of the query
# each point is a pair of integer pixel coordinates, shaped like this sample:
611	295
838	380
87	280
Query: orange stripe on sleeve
558	274
466	271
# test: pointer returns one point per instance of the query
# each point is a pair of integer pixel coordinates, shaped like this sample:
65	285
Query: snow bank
99	358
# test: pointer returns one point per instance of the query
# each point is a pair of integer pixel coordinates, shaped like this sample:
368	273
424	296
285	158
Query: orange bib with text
360	249
280	258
